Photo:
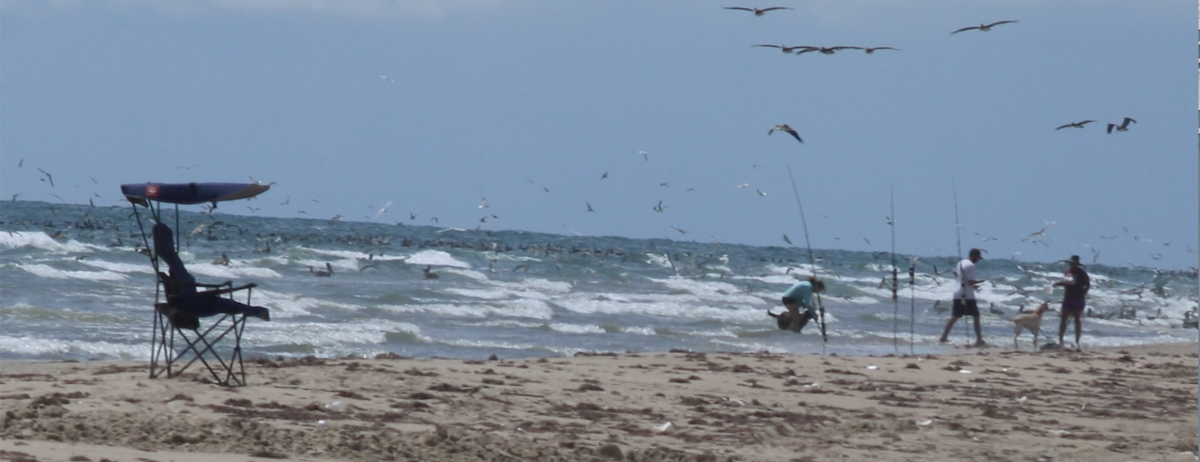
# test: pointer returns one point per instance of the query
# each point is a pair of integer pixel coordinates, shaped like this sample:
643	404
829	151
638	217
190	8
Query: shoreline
1101	404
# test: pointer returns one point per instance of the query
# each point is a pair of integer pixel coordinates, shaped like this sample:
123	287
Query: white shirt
966	273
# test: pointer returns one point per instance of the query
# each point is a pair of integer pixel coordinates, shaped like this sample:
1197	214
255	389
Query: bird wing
1084	122
1111	127
997	23
964	29
879	48
739	8
768	45
764	10
1060	127
794	134
844	47
1127	120
806	49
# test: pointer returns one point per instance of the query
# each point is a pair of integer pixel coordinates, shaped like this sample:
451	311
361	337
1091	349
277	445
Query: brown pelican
783	48
982	27
319	273
1079	124
826	50
758	11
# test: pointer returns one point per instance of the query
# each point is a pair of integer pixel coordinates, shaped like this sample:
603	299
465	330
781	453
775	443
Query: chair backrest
164	247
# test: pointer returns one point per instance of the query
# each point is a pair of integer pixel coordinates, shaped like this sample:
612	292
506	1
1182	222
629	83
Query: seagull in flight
384	209
1124	127
982	27
386	78
659	207
786	128
1079	124
644	155
757	11
51	178
483	203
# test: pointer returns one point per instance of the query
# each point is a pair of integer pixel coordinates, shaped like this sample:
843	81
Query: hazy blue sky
434	105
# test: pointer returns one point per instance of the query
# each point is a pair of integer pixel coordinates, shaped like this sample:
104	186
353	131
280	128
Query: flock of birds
785	128
802	49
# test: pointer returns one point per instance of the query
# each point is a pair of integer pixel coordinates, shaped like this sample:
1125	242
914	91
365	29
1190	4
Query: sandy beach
1113	404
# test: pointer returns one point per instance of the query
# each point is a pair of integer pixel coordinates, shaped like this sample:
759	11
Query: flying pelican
1079	124
783	48
982	27
827	50
786	128
758	11
1124	127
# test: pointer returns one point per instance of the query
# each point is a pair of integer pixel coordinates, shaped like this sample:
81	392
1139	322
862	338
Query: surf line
811	261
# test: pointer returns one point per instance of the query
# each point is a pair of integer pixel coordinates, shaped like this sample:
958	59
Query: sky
378	110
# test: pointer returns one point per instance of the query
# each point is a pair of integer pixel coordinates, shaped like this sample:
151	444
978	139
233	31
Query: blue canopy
190	193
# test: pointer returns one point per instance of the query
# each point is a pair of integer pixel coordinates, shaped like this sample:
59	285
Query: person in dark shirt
1075	284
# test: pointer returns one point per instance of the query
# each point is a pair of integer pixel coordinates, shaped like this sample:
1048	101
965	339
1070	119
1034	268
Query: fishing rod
891	221
958	266
912	296
811	260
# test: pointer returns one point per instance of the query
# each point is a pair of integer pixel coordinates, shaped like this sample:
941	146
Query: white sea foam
639	330
48	271
40	240
51	347
119	267
535	309
321	334
436	258
576	328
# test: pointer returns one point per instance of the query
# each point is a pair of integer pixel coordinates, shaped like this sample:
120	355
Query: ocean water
73	285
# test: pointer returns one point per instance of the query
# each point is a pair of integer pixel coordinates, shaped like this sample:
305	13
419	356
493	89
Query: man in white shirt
964	296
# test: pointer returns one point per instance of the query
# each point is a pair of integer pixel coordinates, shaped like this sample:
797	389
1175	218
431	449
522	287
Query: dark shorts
789	301
784	321
1073	307
965	308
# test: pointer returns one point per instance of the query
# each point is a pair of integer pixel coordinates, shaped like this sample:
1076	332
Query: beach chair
179	340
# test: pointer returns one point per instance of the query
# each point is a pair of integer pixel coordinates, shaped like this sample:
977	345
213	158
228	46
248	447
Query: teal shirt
802	293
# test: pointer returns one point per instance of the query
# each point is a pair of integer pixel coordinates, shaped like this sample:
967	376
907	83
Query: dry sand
1115	404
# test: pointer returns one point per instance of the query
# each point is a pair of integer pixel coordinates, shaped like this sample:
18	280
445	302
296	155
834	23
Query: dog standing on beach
1031	321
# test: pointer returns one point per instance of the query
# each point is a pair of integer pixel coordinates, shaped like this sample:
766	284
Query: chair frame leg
169	357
